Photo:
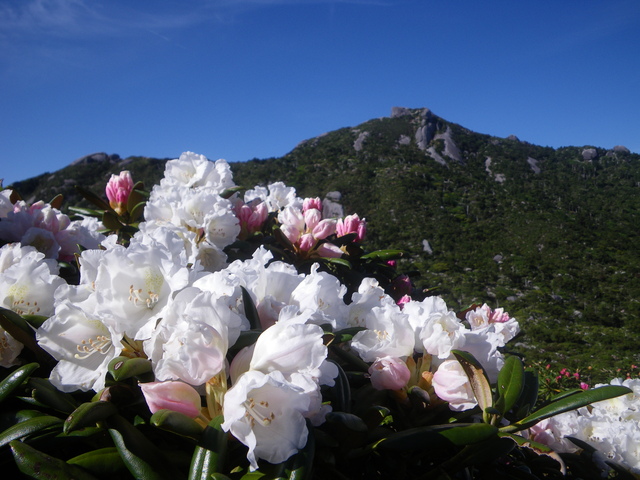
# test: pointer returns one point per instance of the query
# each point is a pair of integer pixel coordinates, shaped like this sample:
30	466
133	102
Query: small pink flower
324	228
389	373
576	375
118	190
584	386
307	242
352	224
309	203
176	396
251	216
392	263
404	299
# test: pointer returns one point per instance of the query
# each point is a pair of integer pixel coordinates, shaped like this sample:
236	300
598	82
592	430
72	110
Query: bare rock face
621	149
400	112
357	145
97	158
426	130
533	163
331	207
589	154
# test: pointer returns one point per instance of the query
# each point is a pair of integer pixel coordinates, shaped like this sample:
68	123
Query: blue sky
242	79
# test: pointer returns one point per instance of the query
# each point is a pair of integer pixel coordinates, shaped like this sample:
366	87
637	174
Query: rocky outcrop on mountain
99	157
589	154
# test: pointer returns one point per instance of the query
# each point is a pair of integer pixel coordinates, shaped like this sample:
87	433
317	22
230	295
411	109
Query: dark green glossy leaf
529	396
348	420
93	198
510	384
36	464
538	448
110	220
566	404
56	202
342	390
46	394
15	379
20	329
136	212
29	427
90	212
209	456
177	422
338	261
435	436
138	467
103	462
383	255
478	454
250	310
122	368
136	197
88	414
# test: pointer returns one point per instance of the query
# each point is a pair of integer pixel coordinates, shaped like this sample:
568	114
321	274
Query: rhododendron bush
204	330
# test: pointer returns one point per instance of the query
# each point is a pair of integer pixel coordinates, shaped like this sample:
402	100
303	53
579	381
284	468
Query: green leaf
178	423
348	420
88	414
122	368
15	379
137	211
477	454
36	464
566	404
346	334
46	394
529	396
338	261
210	454
104	462
136	197
383	255
477	378
138	467
342	390
510	384
246	338
228	192
435	436
93	198
110	220
56	202
29	427
538	448
250	310
90	212
20	329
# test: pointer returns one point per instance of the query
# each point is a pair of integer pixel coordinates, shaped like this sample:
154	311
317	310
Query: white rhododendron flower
388	333
134	284
267	414
83	345
368	296
323	294
452	385
191	340
441	333
27	286
10	348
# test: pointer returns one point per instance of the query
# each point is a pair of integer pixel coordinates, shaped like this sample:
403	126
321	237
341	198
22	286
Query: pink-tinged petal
329	250
311	218
324	228
389	373
309	203
176	396
307	242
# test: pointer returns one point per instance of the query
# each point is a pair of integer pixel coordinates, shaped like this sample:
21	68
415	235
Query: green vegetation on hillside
557	248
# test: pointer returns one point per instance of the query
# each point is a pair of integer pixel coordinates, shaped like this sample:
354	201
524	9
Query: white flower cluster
611	426
171	296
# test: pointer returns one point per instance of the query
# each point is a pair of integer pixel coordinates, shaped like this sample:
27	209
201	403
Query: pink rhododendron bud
118	190
584	386
251	216
324	229
311	218
329	250
309	203
452	385
389	373
307	242
352	224
404	299
176	396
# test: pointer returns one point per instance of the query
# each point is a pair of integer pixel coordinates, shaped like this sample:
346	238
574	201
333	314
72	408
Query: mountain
549	234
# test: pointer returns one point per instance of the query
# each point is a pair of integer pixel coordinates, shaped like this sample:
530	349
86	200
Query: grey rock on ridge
589	154
97	158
